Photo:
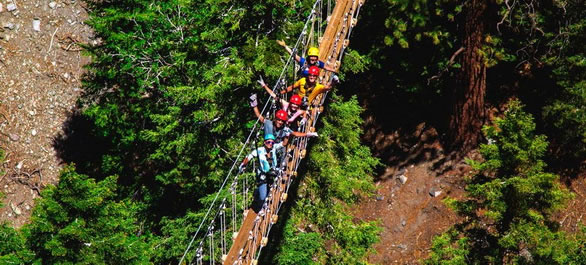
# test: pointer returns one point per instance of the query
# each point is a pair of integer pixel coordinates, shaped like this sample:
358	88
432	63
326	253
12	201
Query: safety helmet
295	99
313	51
269	136
314	70
281	115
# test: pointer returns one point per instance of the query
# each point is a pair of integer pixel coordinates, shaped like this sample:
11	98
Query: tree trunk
468	113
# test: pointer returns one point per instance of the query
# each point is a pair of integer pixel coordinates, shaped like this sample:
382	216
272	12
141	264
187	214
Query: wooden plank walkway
253	233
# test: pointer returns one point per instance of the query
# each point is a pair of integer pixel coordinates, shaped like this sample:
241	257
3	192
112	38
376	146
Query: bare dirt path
40	70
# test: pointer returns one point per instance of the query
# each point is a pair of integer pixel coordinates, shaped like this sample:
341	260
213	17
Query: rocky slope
41	66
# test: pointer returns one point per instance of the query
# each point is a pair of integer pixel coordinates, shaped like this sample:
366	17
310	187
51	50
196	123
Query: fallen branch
16	177
52	37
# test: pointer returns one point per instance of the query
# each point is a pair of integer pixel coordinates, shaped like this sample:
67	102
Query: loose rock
380	198
9	26
13	137
52	5
11	7
402	179
434	192
15	209
37	24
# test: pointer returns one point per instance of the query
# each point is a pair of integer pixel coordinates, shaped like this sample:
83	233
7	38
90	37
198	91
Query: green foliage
299	248
167	89
339	174
510	201
449	249
416	42
79	222
13	248
341	165
566	115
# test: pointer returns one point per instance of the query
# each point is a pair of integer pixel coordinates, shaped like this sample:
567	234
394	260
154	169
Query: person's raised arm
267	88
282	43
253	104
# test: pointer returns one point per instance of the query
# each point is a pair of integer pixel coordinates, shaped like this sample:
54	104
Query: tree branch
450	62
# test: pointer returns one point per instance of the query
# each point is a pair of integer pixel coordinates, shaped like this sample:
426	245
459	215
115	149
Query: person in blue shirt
312	59
267	170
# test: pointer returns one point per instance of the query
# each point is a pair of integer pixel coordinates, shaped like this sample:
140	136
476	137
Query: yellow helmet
313	51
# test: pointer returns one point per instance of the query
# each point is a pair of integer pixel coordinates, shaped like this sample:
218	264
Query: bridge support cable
212	218
253	234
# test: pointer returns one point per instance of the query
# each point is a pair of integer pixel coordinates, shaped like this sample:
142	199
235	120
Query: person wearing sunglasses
267	170
312	59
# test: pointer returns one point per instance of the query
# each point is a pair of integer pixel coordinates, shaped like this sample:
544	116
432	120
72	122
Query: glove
241	168
311	134
303	121
261	82
253	101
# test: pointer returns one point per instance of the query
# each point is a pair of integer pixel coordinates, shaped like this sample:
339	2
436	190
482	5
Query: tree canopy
165	105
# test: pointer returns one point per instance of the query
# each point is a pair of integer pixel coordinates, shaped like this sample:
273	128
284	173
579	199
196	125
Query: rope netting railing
228	214
216	210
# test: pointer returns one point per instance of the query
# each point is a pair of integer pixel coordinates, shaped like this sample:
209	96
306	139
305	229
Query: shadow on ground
78	145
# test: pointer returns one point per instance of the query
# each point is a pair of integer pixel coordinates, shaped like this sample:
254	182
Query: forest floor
405	204
408	202
41	67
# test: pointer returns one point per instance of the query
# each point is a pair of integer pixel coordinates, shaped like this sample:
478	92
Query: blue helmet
269	137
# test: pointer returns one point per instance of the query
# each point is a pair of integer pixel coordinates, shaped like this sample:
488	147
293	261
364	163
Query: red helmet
295	99
281	115
314	70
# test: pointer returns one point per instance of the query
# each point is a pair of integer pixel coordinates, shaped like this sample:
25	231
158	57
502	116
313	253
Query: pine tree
509	203
80	222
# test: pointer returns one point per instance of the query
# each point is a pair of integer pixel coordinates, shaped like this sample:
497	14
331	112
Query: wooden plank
242	237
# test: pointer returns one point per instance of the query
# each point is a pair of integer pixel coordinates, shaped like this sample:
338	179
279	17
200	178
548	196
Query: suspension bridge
231	233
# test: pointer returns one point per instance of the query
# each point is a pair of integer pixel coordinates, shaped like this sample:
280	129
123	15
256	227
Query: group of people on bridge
288	118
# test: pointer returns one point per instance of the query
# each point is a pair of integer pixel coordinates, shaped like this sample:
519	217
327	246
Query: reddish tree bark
468	113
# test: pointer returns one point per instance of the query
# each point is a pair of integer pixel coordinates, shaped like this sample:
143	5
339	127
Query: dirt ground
40	70
574	214
409	214
408	202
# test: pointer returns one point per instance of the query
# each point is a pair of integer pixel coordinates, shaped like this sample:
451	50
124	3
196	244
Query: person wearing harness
309	85
278	126
291	107
267	170
312	59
